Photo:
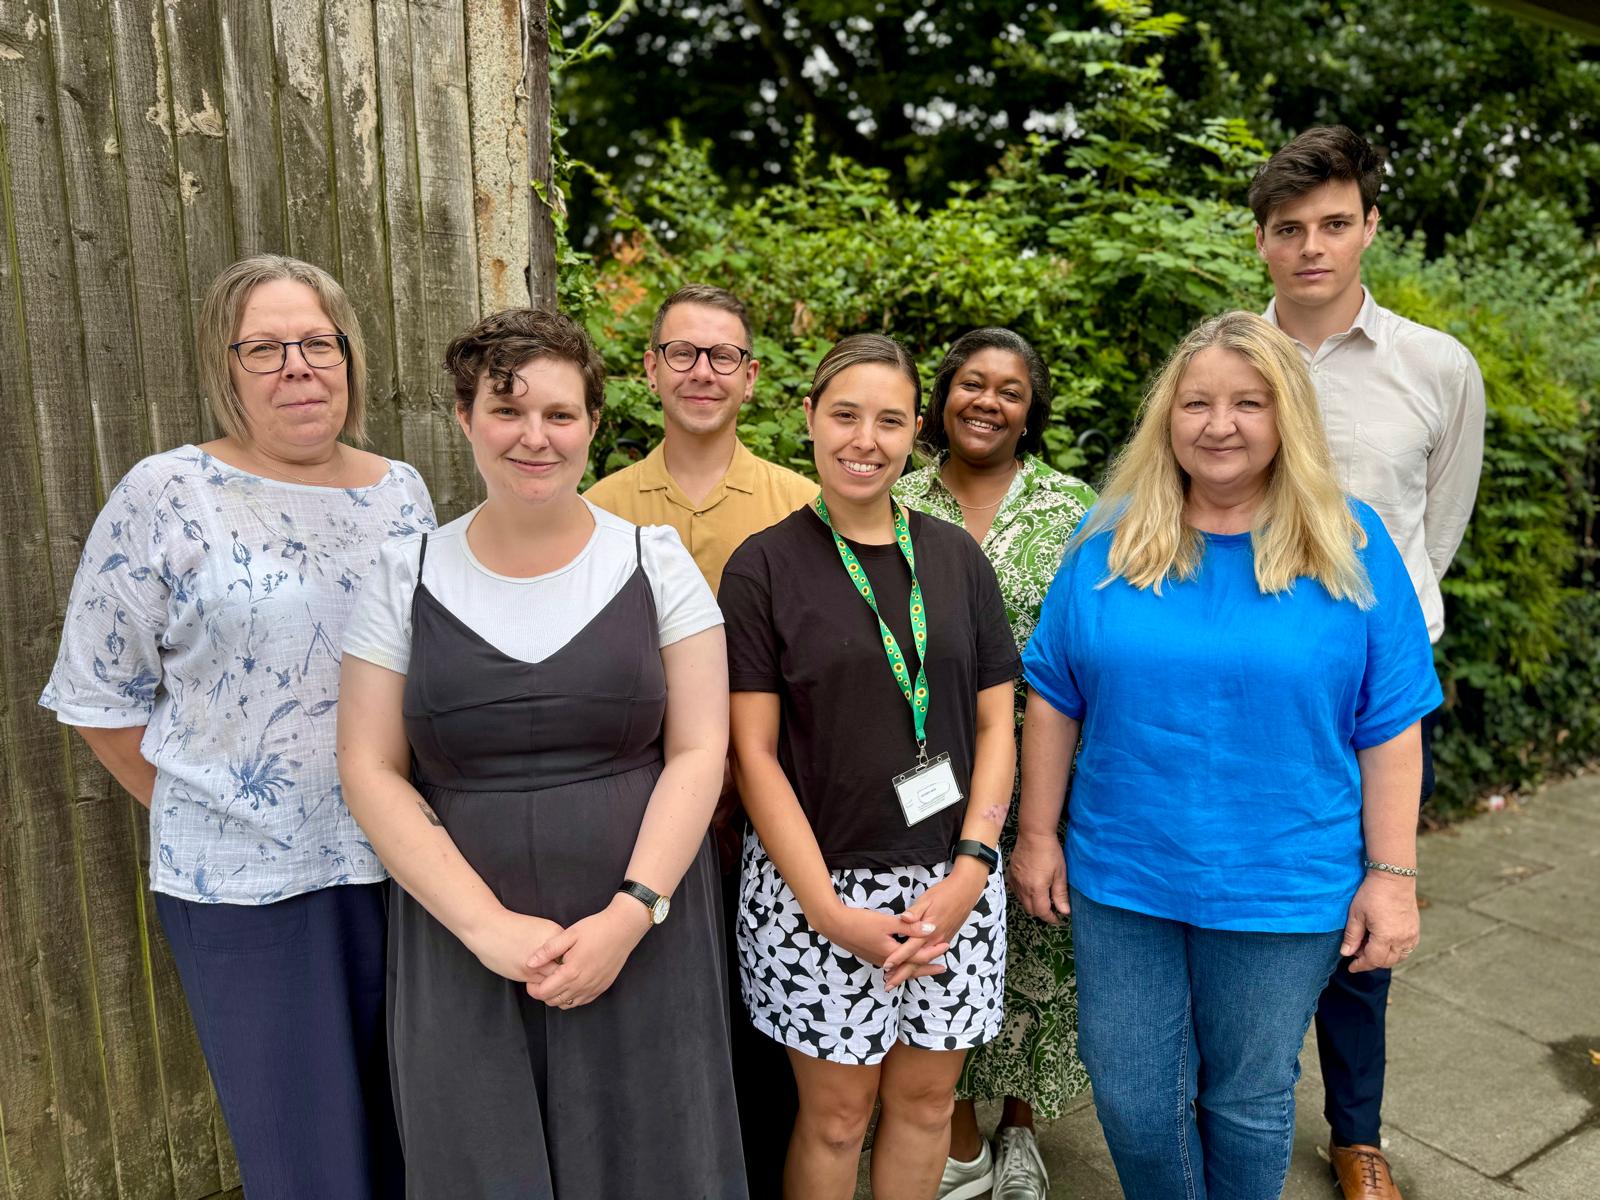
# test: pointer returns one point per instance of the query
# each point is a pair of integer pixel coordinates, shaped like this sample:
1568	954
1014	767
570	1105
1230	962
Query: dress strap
638	546
422	556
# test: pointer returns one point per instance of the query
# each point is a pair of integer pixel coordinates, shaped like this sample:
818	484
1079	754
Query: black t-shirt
797	626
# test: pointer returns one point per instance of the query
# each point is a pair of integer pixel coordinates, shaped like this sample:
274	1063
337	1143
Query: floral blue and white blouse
209	606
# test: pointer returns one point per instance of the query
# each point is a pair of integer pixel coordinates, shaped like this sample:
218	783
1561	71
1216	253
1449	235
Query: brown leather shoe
1362	1172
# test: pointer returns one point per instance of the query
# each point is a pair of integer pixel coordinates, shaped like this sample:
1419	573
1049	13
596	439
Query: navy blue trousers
288	1000
1350	1027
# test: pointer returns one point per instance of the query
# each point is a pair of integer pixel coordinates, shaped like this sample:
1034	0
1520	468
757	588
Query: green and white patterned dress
1035	1057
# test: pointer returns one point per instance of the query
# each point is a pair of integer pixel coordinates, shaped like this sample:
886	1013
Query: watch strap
645	896
988	855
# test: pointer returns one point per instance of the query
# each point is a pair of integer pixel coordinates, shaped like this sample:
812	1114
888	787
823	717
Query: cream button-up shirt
1403	407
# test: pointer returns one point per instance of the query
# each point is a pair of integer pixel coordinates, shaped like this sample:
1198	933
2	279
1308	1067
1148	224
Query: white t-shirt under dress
528	619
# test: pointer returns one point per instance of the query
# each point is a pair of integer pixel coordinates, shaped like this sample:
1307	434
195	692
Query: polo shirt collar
653	475
743	474
743	470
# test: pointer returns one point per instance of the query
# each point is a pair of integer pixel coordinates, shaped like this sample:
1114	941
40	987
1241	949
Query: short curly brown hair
503	342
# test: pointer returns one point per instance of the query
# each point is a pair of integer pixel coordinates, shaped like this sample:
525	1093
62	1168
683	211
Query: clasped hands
908	946
564	967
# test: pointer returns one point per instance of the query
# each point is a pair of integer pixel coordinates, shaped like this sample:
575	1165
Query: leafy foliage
1492	106
1104	246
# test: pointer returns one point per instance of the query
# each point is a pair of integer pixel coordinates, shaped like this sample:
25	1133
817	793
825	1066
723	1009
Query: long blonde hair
1303	526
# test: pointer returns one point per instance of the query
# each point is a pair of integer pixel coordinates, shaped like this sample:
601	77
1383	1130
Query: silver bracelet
1389	867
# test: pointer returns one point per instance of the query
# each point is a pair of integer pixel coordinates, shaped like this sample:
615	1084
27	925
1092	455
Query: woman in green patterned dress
985	426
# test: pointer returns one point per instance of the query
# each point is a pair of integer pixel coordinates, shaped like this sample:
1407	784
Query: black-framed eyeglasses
725	358
262	356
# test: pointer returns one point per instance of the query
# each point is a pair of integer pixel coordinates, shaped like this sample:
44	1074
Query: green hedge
1085	250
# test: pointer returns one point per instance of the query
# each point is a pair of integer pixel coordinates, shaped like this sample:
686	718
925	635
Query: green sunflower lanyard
930	785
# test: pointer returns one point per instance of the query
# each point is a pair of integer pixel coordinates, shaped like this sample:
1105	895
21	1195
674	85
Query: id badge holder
927	788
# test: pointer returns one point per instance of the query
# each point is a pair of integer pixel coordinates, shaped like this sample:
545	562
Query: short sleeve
997	660
685	604
108	667
746	598
379	628
1399	685
1047	663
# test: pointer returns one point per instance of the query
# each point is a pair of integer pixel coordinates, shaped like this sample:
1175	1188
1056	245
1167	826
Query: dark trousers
763	1081
288	1000
1350	1027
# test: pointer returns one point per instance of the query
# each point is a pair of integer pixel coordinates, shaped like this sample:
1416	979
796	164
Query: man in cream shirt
701	480
1404	410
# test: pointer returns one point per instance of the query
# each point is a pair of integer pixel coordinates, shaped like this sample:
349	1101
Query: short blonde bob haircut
1303	526
221	313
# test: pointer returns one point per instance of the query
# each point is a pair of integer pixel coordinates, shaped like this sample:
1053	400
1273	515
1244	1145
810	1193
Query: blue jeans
1192	1039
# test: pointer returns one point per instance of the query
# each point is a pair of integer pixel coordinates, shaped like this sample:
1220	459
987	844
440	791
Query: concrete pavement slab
1424	1173
1549	989
1459	870
1562	903
1444	928
1540	832
1580	796
1473	1089
1570	1171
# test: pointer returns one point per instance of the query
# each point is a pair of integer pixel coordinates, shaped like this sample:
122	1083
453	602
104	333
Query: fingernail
928	927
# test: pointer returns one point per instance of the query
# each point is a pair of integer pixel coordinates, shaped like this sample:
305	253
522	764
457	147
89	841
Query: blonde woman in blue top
1241	649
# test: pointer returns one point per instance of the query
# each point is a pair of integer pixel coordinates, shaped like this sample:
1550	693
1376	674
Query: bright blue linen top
1217	783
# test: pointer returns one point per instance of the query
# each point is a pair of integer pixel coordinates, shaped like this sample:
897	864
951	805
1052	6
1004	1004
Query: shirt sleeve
754	663
108	668
418	510
1047	662
997	660
1399	685
1455	463
379	628
684	603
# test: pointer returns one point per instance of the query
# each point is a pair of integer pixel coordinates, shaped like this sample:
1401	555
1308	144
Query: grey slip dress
541	773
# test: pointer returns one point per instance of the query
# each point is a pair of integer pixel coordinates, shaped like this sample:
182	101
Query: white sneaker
967	1180
1019	1172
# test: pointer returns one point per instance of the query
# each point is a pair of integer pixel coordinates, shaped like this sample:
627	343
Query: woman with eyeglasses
200	662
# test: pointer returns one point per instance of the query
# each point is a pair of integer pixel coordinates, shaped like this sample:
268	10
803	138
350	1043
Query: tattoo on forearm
995	812
433	817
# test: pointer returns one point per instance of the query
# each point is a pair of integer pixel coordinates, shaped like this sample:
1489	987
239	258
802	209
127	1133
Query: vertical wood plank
449	243
303	149
260	215
352	57
407	392
198	122
170	389
49	343
165	378
499	115
34	1152
110	878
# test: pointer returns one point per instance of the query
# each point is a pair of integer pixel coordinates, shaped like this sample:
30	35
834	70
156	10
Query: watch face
659	910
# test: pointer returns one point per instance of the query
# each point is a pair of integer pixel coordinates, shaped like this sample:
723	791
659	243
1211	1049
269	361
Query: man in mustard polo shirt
701	480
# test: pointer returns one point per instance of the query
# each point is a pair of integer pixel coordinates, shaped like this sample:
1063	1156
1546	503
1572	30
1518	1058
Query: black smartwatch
658	904
988	855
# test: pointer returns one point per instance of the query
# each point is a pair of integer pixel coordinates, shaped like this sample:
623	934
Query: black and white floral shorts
805	992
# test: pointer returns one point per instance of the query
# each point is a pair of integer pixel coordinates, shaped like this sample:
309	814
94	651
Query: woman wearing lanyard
871	666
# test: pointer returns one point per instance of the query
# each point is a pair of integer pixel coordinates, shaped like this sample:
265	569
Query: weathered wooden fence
145	144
